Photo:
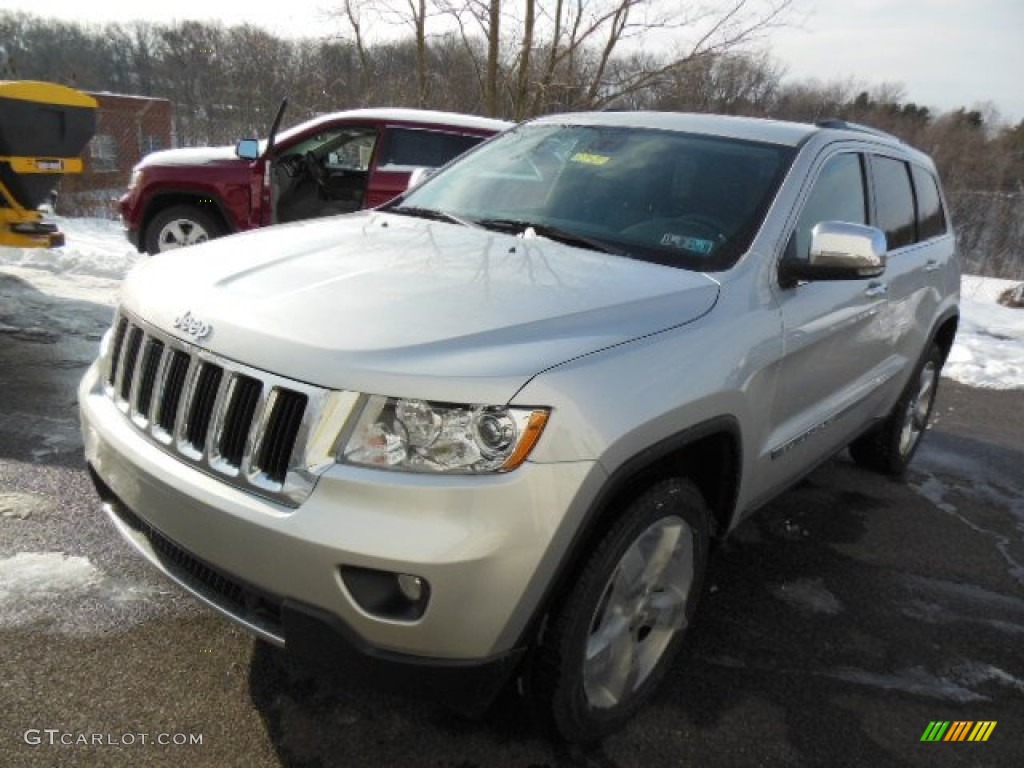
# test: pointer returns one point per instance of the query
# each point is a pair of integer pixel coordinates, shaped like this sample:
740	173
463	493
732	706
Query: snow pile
70	595
989	349
95	248
46	293
44	574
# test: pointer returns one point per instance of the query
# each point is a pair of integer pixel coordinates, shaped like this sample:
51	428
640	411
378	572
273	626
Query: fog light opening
385	594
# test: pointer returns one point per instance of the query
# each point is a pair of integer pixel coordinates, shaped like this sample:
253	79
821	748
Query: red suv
336	163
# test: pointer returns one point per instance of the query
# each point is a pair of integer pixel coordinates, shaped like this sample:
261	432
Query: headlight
423	436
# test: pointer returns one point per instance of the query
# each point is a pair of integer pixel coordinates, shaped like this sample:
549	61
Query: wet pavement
838	622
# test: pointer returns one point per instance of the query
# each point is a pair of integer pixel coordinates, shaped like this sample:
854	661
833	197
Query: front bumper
315	636
133	233
485	544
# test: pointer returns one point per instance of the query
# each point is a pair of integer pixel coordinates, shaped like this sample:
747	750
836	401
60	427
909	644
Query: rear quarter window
931	216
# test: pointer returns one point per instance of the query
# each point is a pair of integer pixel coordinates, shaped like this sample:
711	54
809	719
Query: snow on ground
33	584
44	574
95	248
41	288
989	350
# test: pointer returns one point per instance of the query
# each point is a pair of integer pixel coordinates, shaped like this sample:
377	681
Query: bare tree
353	16
525	62
568	54
414	14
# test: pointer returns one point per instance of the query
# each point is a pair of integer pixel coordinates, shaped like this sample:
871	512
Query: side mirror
248	149
839	251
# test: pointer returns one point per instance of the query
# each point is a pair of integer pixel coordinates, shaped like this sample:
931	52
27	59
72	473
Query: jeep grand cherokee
489	431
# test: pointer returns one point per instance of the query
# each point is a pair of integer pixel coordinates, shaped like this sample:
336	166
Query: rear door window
894	201
408	148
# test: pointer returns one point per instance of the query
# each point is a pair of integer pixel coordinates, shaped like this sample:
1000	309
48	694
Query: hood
388	304
192	156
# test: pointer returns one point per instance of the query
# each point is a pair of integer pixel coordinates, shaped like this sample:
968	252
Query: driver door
837	349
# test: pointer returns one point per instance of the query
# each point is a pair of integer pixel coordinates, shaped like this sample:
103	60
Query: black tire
889	447
584	699
179	226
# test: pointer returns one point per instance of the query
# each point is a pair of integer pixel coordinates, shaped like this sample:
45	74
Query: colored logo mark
958	730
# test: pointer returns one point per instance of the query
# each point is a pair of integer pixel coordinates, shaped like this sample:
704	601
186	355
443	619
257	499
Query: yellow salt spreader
43	129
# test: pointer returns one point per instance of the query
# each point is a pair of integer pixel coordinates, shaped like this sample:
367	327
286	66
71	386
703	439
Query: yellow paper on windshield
588	158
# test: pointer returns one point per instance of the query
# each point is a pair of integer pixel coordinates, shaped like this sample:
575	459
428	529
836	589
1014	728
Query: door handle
876	289
931	265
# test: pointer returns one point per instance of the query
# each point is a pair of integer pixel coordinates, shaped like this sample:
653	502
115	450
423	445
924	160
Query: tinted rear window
894	201
423	148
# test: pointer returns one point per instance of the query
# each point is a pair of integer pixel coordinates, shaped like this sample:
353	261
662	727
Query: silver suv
489	431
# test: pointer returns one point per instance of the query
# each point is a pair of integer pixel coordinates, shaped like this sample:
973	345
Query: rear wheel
608	645
889	447
179	226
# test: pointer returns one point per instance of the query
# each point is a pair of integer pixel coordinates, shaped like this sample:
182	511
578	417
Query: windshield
669	197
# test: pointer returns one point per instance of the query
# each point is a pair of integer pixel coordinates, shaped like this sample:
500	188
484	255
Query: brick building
127	128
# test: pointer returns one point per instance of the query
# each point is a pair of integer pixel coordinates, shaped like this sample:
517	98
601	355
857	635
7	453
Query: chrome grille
282	426
150	365
203	398
243	399
131	356
173	386
248	427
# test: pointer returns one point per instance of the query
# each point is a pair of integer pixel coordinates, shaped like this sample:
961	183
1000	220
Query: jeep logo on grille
193	326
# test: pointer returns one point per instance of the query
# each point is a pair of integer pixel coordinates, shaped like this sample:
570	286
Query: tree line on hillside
547	56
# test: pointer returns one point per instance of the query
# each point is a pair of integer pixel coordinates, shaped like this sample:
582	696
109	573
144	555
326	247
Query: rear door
908	208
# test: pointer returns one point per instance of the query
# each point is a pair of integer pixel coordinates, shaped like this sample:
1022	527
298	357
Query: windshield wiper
518	226
431	213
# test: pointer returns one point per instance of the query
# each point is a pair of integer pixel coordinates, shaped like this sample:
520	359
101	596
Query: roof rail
845	125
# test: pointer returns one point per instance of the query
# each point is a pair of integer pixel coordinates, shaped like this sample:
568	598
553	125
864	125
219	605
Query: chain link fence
127	129
990	233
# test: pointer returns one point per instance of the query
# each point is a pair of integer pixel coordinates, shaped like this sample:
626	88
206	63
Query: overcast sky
944	53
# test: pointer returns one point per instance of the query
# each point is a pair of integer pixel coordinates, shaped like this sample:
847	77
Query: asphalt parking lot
839	622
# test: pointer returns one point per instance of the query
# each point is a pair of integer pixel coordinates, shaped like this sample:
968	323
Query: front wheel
609	643
179	226
889	447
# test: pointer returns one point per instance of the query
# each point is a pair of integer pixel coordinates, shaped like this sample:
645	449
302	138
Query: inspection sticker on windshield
695	244
588	158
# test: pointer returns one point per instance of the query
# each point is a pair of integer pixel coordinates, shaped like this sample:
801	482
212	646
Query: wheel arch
945	333
164	199
708	454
